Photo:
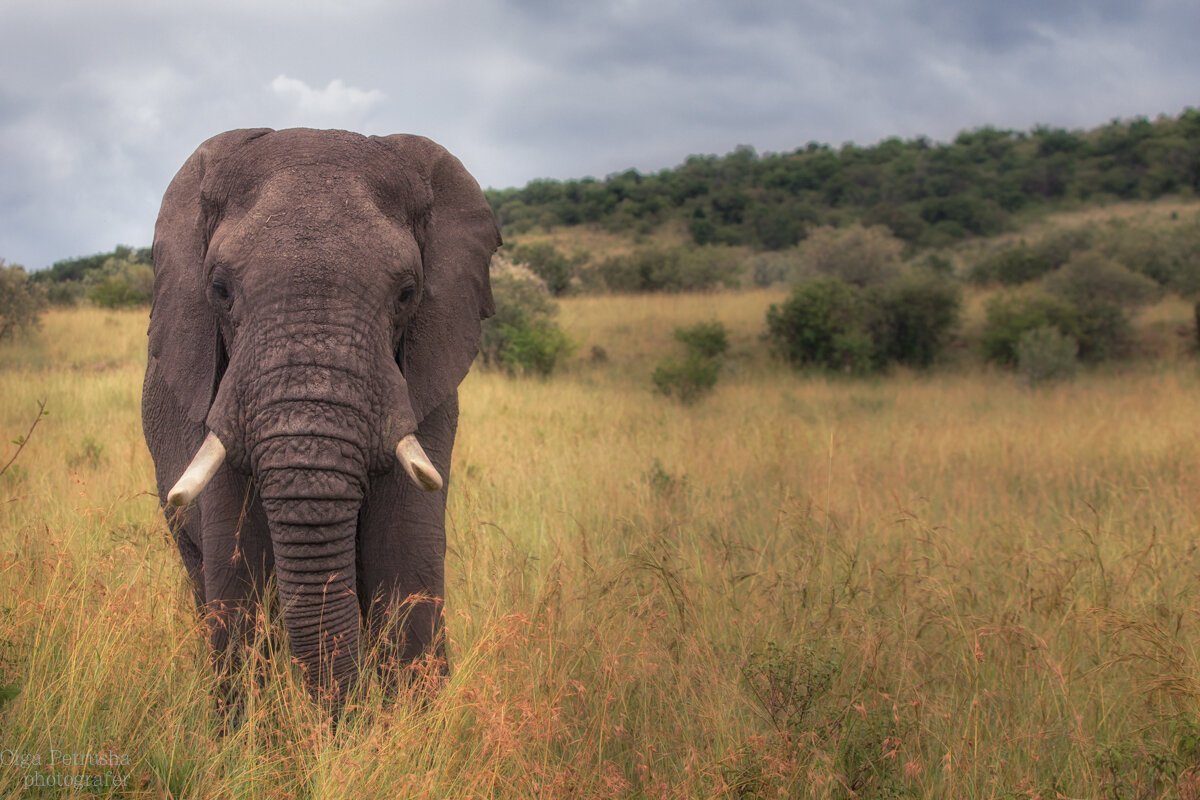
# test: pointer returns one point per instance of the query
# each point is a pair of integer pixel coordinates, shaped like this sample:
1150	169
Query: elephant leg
237	560
402	553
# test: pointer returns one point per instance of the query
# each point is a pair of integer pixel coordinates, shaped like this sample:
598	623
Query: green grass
914	586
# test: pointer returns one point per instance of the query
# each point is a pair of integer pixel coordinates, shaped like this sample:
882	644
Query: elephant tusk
204	466
418	466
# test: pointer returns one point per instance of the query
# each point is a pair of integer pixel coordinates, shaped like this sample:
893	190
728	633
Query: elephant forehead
293	231
334	164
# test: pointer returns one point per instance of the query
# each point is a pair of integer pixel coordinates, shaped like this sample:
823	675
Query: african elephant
317	300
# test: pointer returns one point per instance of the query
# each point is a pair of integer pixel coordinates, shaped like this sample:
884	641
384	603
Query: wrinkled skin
318	296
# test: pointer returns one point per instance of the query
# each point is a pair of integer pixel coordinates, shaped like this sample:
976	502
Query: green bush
1105	295
1044	354
704	339
536	347
855	254
1021	263
694	376
1090	279
833	325
522	337
548	263
687	379
1010	315
21	301
915	314
64	293
824	324
120	283
1105	332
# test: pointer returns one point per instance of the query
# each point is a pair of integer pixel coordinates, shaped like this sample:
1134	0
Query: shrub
1013	314
781	266
854	254
914	317
691	378
64	293
1045	354
824	324
548	263
535	348
688	379
704	339
1105	332
1021	263
21	301
120	283
522	337
1105	295
1090	279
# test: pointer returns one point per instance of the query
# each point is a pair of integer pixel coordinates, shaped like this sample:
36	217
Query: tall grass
944	586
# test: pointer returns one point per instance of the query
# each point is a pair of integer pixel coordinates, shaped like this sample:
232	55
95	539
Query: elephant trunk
312	420
312	511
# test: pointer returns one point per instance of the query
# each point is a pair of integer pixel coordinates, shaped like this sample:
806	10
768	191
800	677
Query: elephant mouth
211	456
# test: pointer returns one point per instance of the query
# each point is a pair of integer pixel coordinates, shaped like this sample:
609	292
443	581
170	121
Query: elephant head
317	295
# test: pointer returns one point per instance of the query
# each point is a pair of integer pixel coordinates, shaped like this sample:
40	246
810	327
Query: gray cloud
101	103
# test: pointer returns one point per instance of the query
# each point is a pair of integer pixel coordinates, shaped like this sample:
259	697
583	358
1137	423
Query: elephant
318	297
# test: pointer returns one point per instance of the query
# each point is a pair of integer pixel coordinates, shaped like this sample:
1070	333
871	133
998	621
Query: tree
823	324
855	254
548	263
121	283
21	301
523	336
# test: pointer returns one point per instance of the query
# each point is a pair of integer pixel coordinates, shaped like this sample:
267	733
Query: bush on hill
21	301
523	336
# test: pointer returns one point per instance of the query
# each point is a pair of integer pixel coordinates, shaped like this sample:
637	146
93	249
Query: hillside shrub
120	283
548	263
1012	314
914	317
1105	295
824	323
694	376
1090	279
536	348
64	293
1044	354
705	339
21	301
523	336
780	266
1024	262
688	379
832	324
855	254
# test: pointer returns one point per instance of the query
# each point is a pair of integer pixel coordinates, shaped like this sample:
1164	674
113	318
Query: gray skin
317	297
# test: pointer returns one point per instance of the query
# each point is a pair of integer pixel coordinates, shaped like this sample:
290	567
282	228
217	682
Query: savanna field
916	585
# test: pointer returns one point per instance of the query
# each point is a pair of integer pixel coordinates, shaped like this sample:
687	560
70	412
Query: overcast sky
101	101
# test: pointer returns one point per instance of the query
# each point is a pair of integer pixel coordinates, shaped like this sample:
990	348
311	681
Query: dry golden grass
914	586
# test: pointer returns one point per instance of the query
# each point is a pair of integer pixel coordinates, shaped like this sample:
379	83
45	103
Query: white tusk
418	466
204	466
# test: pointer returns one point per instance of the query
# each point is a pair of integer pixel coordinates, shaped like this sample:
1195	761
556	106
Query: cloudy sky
102	100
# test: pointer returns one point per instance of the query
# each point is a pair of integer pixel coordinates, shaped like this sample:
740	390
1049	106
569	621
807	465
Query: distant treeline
927	194
124	277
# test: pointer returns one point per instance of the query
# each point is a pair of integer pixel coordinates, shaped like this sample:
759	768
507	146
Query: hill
927	194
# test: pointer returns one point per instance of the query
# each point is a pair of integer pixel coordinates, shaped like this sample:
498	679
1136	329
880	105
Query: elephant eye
406	294
219	288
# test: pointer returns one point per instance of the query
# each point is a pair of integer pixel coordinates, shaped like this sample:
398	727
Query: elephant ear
459	238
185	338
